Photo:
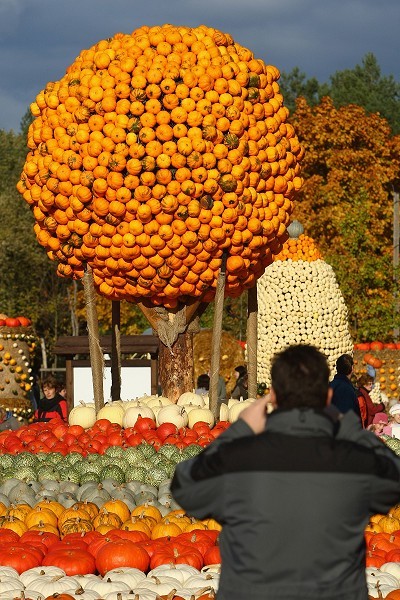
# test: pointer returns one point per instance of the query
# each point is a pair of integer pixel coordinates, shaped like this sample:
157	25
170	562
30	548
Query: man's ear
329	396
272	398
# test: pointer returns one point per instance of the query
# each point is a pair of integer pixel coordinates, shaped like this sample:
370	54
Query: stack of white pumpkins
300	302
188	410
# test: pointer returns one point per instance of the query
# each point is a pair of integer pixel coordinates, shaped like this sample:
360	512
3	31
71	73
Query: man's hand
255	415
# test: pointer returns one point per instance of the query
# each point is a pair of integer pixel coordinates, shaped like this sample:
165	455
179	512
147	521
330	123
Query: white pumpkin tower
300	302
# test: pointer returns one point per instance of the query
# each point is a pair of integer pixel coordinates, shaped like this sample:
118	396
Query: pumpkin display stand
17	344
133	351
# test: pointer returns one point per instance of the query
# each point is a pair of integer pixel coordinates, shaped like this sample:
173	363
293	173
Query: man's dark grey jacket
293	502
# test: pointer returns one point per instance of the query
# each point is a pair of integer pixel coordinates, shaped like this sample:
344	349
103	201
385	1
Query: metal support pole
116	350
252	334
216	338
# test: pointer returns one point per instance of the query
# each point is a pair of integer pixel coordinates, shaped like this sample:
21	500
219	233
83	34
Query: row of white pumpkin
130	583
382	581
189	409
118	584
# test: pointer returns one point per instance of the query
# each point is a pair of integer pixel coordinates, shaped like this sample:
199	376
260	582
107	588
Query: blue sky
40	38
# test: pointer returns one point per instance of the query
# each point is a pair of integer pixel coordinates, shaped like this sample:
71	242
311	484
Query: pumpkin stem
208	589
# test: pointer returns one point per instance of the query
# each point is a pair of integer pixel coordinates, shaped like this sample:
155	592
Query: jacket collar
300	422
341	377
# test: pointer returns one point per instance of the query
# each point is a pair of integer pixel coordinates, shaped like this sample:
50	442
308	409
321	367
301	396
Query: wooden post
154	373
116	350
96	353
216	338
69	382
252	311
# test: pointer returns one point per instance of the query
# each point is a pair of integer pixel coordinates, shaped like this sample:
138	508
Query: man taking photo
293	494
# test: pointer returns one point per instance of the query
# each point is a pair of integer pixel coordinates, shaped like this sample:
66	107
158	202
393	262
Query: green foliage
12	152
364	85
133	321
295	84
28	284
26	120
350	167
365	275
234	317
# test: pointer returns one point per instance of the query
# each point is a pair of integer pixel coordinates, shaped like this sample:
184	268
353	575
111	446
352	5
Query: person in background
8	421
239	371
203	384
34	392
221	390
304	452
52	404
62	389
379	422
393	427
240	390
344	393
368	409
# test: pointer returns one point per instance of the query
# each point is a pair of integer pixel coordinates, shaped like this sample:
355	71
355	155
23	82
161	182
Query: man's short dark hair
300	377
203	381
344	364
241	370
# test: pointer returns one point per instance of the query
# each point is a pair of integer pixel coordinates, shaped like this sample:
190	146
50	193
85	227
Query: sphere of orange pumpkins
158	154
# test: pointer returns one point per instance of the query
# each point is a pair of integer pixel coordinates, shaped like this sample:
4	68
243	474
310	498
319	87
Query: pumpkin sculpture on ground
155	154
300	303
17	348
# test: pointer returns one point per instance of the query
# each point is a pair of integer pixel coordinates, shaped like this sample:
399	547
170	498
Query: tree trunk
176	366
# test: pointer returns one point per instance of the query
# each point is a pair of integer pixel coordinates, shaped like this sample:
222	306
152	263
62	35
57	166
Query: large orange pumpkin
156	128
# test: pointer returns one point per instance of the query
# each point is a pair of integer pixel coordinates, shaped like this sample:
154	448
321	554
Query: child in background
379	423
393	428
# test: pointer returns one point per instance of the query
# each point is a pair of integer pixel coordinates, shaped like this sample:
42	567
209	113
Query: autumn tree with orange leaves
351	169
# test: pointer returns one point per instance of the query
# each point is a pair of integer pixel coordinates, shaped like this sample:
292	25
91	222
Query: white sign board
135	382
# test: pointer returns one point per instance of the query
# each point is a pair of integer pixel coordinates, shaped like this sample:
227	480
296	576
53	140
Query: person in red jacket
52	405
368	408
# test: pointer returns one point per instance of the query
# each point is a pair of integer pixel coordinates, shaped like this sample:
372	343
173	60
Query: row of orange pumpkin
94	552
52	517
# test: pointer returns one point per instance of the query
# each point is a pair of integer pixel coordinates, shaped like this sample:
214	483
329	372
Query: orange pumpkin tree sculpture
153	156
